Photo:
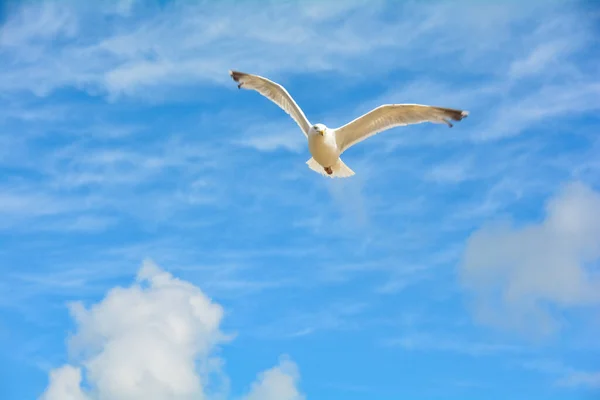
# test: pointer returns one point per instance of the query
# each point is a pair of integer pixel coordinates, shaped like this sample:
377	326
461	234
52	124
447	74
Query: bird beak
322	132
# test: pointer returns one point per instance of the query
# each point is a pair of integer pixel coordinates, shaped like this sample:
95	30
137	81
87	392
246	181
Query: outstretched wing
391	115
274	92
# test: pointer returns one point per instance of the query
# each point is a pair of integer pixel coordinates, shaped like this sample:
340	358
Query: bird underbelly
323	153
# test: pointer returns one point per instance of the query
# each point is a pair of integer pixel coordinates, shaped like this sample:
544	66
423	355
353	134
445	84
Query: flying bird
326	144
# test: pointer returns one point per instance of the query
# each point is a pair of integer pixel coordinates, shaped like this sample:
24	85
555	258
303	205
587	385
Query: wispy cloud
270	137
581	378
340	316
273	142
550	102
427	342
138	56
565	376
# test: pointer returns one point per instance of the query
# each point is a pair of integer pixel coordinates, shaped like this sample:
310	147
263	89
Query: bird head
319	129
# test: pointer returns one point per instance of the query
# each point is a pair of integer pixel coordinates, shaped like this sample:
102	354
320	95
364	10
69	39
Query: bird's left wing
391	115
274	92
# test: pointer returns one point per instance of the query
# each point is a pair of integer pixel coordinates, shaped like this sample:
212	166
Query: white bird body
325	144
323	147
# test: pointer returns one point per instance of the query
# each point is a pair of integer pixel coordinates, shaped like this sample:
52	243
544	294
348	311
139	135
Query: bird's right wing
391	115
274	92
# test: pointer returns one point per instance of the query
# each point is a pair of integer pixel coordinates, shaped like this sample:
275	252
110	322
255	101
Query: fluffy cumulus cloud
277	383
156	339
65	383
520	274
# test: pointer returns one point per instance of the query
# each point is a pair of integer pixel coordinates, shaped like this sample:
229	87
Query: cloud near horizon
156	339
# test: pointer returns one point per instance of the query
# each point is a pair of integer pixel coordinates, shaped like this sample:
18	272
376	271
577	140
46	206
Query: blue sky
161	234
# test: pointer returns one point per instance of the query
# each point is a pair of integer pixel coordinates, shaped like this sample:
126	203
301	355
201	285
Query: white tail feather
340	170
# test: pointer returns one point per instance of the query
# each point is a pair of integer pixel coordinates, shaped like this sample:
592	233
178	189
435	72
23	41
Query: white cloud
156	339
277	383
565	376
54	20
451	172
427	342
284	140
184	44
65	384
511	117
340	316
581	379
518	274
179	46
543	56
123	7
271	136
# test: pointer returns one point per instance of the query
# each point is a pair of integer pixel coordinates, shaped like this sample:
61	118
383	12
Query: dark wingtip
455	114
458	115
236	75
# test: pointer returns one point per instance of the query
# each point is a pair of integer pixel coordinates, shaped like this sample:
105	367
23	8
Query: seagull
326	144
